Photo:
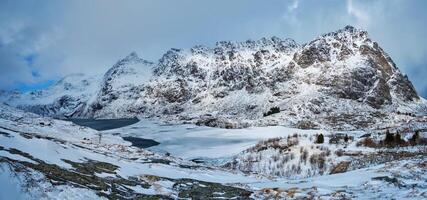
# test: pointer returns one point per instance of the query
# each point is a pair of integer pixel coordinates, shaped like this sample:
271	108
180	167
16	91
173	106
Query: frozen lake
189	141
108	124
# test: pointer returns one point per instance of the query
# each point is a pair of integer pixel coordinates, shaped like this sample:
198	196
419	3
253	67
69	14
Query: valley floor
42	158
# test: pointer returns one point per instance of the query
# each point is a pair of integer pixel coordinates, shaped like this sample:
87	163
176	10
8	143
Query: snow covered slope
47	159
43	158
67	98
340	80
121	89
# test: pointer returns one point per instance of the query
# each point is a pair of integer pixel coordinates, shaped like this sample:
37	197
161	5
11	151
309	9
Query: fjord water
104	124
109	124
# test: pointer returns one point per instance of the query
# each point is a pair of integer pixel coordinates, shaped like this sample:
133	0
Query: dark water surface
104	124
107	124
141	142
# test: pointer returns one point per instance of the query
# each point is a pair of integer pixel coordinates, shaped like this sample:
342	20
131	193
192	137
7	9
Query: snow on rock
67	98
340	80
121	89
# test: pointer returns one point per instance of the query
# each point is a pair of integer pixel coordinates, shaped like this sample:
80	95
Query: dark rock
340	167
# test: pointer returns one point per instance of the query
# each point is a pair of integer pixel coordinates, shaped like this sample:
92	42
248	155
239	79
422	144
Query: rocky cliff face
365	72
121	88
340	80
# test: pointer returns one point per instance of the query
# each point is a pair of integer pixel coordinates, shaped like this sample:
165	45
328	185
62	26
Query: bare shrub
275	158
304	156
367	142
318	160
293	141
328	152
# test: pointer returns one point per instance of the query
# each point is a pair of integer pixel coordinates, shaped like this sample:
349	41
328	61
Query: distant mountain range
341	80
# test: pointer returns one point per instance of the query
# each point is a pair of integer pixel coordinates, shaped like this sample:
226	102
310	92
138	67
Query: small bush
398	139
389	139
346	138
320	139
415	138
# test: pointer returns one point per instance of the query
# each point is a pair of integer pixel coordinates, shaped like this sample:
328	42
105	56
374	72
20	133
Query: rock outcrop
340	80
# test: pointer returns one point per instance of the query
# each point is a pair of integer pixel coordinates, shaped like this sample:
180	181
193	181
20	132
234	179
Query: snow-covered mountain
67	98
121	88
340	80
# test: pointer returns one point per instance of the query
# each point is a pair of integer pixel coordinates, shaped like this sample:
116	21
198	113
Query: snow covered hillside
121	88
44	158
341	80
67	98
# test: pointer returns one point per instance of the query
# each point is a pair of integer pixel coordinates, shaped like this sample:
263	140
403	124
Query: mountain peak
263	42
349	28
346	33
342	73
132	56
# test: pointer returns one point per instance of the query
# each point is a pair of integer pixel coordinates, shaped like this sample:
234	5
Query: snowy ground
42	158
61	148
394	180
374	181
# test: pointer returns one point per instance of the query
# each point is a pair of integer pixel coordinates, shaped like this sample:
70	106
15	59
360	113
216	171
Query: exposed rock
338	80
316	51
340	167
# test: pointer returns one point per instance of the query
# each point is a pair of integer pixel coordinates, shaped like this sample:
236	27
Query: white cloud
89	36
293	6
361	16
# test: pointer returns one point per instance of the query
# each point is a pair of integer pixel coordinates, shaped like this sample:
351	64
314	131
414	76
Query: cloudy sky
41	41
